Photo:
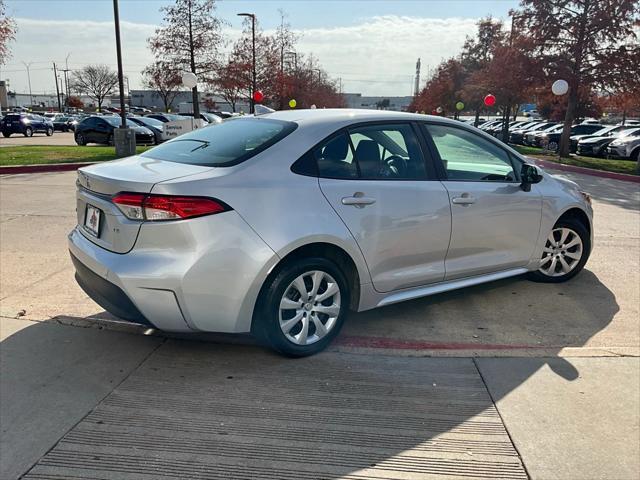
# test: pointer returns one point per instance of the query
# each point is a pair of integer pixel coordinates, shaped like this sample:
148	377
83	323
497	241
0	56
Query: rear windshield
223	144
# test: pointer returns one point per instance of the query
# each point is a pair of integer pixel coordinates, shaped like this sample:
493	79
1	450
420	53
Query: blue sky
372	45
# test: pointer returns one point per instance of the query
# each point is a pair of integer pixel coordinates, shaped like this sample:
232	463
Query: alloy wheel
309	307
562	252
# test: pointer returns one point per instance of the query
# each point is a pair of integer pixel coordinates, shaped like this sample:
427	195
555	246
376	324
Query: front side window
467	156
223	144
372	152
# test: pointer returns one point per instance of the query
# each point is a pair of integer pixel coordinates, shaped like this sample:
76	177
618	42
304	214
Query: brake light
139	206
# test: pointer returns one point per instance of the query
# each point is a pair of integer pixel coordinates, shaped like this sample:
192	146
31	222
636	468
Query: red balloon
258	96
490	100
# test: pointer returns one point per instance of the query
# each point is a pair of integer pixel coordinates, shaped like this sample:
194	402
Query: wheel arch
576	213
323	249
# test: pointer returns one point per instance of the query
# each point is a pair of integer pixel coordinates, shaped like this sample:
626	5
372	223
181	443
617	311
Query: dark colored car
165	117
61	123
517	136
604	132
156	126
100	130
596	145
551	141
533	139
25	123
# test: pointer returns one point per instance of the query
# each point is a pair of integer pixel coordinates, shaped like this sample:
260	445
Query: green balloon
460	106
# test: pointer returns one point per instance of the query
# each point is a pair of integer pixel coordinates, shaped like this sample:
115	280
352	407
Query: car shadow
201	409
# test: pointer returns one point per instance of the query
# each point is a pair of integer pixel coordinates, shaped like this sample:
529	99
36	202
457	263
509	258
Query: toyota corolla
279	224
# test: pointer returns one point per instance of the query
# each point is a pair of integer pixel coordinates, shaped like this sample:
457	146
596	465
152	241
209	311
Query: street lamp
123	138
28	66
295	58
253	59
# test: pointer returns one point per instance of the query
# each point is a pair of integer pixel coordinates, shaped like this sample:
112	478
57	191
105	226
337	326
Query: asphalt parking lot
545	383
57	139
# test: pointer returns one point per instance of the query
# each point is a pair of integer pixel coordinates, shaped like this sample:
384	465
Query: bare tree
165	80
96	81
7	33
190	39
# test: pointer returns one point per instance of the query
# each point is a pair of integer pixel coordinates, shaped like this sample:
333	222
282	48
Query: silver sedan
279	224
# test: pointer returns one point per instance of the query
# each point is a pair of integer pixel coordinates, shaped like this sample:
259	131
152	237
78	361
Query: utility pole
194	91
66	79
253	56
416	89
124	138
55	77
28	66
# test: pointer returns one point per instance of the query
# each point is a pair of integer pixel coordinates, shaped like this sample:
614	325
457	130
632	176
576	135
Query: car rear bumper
106	294
202	274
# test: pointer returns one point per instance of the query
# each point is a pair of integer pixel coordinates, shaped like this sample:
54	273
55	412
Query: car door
376	179
102	131
494	222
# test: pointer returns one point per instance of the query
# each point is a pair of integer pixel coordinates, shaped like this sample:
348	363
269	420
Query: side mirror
529	175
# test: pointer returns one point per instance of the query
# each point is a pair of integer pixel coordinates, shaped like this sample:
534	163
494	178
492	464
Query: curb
585	171
43	168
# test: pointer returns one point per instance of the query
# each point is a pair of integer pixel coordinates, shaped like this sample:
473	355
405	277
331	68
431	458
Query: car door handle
358	200
464	199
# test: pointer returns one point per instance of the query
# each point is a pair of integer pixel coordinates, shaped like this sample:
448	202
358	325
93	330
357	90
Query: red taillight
138	206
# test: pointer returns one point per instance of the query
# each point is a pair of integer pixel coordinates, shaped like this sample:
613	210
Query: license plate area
92	219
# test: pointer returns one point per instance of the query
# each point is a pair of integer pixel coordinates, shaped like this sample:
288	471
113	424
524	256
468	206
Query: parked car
517	135
626	146
551	141
171	237
596	145
165	117
533	138
606	131
207	117
61	123
156	126
25	123
100	130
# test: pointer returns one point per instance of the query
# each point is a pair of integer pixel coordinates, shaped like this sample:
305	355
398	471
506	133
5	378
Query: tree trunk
506	115
563	150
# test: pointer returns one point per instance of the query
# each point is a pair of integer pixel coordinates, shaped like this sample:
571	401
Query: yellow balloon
292	103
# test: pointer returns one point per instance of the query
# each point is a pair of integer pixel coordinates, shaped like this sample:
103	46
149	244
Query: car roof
349	115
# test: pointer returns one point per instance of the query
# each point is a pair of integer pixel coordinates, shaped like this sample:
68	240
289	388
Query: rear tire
295	323
6	134
563	256
80	140
28	132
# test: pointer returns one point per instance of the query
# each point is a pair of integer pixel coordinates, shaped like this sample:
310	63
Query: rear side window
372	152
223	144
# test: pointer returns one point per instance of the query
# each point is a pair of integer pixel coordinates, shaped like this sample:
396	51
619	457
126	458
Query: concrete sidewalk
88	403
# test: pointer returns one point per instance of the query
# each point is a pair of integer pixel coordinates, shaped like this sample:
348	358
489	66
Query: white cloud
376	56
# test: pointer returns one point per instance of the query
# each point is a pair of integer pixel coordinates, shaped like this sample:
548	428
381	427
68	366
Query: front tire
80	140
302	308
49	132
565	253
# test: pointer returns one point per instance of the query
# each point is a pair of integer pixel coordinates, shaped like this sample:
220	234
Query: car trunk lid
99	219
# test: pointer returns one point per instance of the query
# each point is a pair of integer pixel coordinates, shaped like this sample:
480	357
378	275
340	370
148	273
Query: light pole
295	59
28	66
123	138
253	56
